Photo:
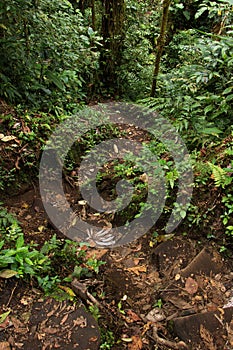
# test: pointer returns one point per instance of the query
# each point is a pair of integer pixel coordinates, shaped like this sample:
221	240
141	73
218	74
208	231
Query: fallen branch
169	344
81	290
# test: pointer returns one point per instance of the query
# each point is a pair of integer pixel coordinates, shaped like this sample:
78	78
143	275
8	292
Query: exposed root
167	343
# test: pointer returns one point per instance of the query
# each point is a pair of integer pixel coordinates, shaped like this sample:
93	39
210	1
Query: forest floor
175	292
178	291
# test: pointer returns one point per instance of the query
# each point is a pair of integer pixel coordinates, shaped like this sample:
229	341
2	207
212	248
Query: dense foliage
58	55
49	55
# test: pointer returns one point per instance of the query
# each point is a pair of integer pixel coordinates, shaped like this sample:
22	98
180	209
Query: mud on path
176	294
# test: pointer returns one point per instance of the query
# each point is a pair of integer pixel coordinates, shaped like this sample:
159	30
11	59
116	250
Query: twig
169	344
12	293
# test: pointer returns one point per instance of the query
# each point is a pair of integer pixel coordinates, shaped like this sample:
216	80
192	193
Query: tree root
167	343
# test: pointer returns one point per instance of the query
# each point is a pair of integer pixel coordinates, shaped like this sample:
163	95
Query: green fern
221	177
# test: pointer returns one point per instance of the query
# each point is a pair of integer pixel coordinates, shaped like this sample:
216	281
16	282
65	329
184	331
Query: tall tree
160	44
113	35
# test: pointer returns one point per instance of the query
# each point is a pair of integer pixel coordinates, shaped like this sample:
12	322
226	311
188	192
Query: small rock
155	315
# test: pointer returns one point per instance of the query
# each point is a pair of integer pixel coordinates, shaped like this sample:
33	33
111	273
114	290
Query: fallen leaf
8	273
164	238
136	261
138	248
180	303
25	300
51	330
93	339
147	327
136	343
4	316
133	316
96	253
6	324
144	178
41	228
137	269
25	205
64	319
207	338
8	138
67	290
82	202
80	321
4	345
127	340
191	286
19	327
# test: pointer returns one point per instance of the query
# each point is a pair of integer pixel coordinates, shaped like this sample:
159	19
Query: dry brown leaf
137	269
64	319
147	327
136	261
138	248
5	324
96	253
51	330
207	338
8	138
25	300
4	345
191	286
16	322
93	339
80	321
136	343
8	273
133	316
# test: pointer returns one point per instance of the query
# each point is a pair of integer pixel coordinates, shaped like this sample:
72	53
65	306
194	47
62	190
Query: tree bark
160	45
93	14
113	35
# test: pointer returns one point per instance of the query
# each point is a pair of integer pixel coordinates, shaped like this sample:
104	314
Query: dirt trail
174	291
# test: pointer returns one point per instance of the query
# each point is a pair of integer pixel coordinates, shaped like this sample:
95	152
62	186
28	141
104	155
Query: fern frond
220	176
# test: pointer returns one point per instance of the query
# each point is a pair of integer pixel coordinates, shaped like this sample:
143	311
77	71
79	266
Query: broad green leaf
208	108
211	131
57	81
227	90
20	242
229	98
183	214
186	15
200	12
4	316
28	261
90	31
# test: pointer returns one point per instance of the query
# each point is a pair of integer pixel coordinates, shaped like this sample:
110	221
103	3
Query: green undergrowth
52	267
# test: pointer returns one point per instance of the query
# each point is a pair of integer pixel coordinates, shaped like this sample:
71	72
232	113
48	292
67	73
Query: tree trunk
93	14
160	44
113	35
